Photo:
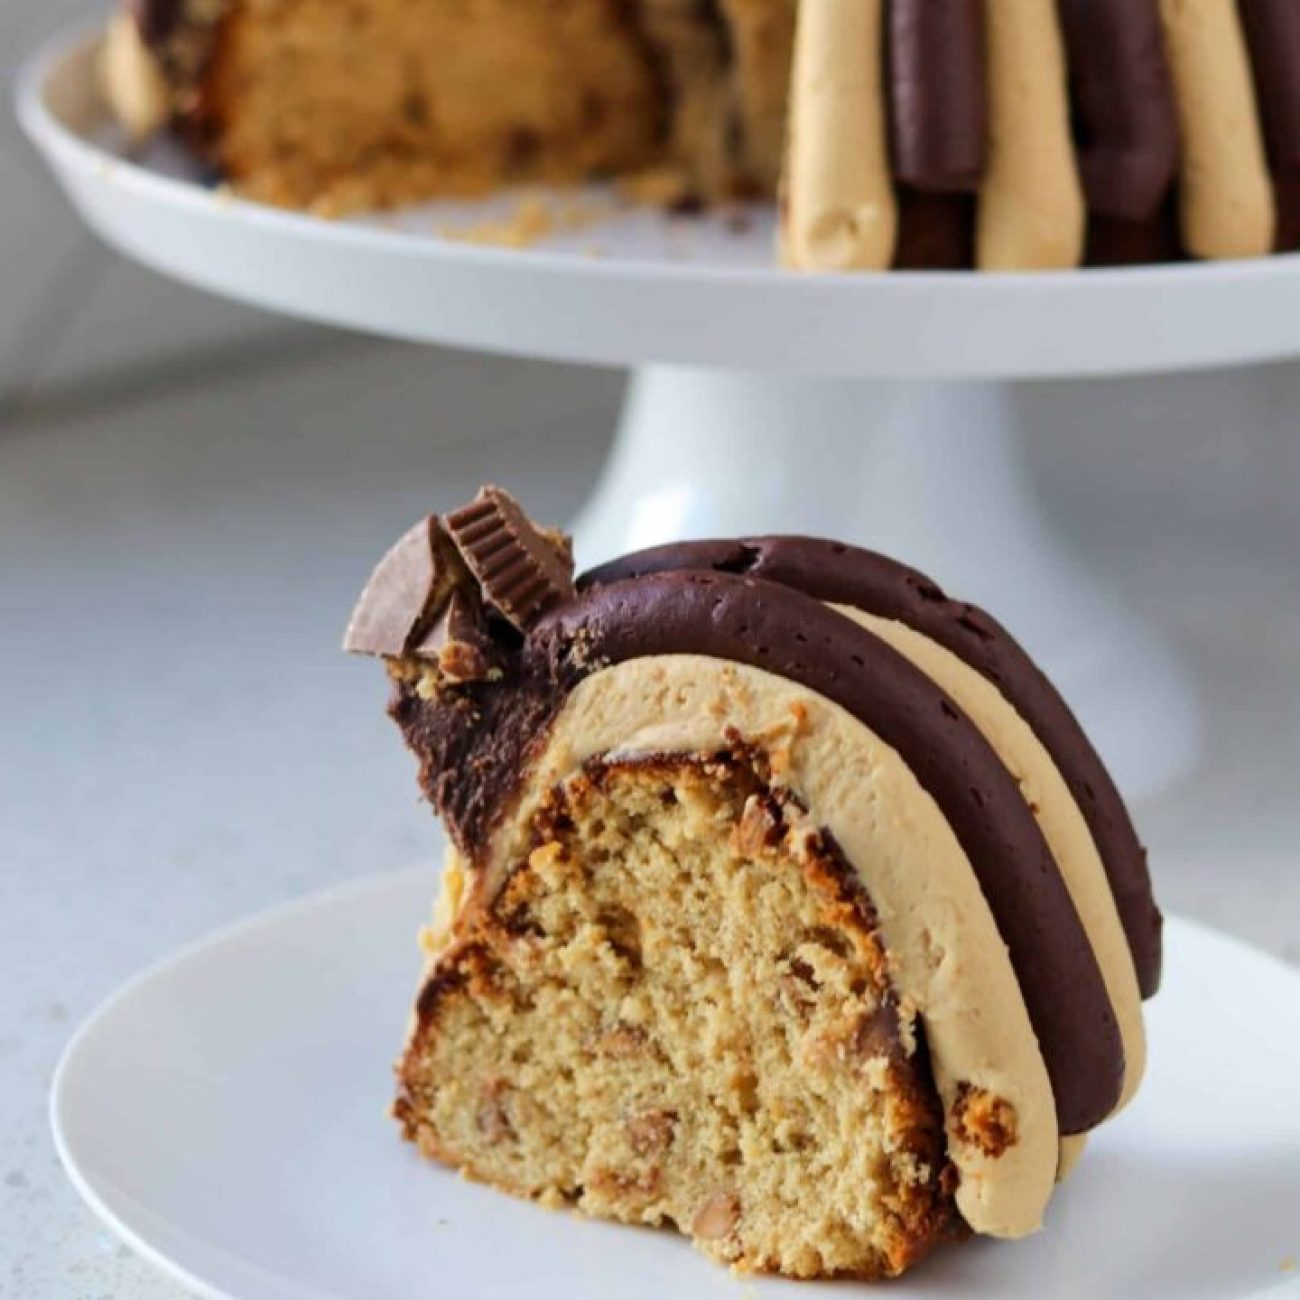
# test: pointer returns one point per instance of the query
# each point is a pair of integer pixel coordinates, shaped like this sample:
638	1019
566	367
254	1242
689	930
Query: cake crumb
1290	1264
984	1120
535	217
656	187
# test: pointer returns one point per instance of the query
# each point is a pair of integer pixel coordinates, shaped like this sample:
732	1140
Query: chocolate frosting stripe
1113	241
938	98
784	631
1286	190
1273	37
936	232
158	19
1123	100
846	575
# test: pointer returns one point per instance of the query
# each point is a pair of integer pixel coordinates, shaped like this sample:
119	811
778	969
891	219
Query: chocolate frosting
185	37
1114	241
938	97
1273	33
846	575
476	742
1272	30
1287	190
158	19
1124	106
936	232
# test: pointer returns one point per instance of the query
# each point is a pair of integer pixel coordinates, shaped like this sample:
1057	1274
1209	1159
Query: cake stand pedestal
932	473
878	409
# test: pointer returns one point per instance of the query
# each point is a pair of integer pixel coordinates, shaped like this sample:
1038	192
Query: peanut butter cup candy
786	902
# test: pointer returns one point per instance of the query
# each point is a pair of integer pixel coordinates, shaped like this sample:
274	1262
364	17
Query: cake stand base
928	472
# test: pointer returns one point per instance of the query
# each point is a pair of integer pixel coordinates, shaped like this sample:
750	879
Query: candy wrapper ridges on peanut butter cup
429	596
522	572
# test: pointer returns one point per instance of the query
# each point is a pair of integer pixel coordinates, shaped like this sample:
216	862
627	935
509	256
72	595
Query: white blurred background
192	492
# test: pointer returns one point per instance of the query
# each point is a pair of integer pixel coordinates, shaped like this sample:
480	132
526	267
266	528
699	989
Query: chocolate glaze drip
1273	36
475	745
937	93
1124	106
845	575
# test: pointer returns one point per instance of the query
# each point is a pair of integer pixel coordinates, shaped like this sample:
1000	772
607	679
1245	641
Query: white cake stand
762	401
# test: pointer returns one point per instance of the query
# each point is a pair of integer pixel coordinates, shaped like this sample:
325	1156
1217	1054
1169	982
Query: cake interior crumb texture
549	90
676	1011
374	103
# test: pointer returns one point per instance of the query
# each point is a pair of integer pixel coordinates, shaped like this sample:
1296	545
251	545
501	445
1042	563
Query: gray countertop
181	743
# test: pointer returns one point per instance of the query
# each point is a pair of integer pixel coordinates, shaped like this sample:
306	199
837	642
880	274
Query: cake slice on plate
787	904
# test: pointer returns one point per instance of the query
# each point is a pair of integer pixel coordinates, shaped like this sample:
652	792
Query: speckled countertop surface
181	744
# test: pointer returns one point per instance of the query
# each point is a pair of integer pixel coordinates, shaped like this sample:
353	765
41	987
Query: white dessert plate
639	289
224	1114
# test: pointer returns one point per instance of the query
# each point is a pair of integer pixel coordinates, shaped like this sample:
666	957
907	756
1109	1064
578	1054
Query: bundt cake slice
786	904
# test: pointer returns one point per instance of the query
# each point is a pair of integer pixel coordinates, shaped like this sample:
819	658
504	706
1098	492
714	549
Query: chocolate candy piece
522	573
1272	30
460	640
1125	110
937	93
401	595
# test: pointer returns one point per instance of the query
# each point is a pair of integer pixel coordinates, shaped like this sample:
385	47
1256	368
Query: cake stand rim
74	156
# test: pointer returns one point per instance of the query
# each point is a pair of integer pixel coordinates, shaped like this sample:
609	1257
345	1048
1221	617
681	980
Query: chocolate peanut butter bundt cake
998	134
786	902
